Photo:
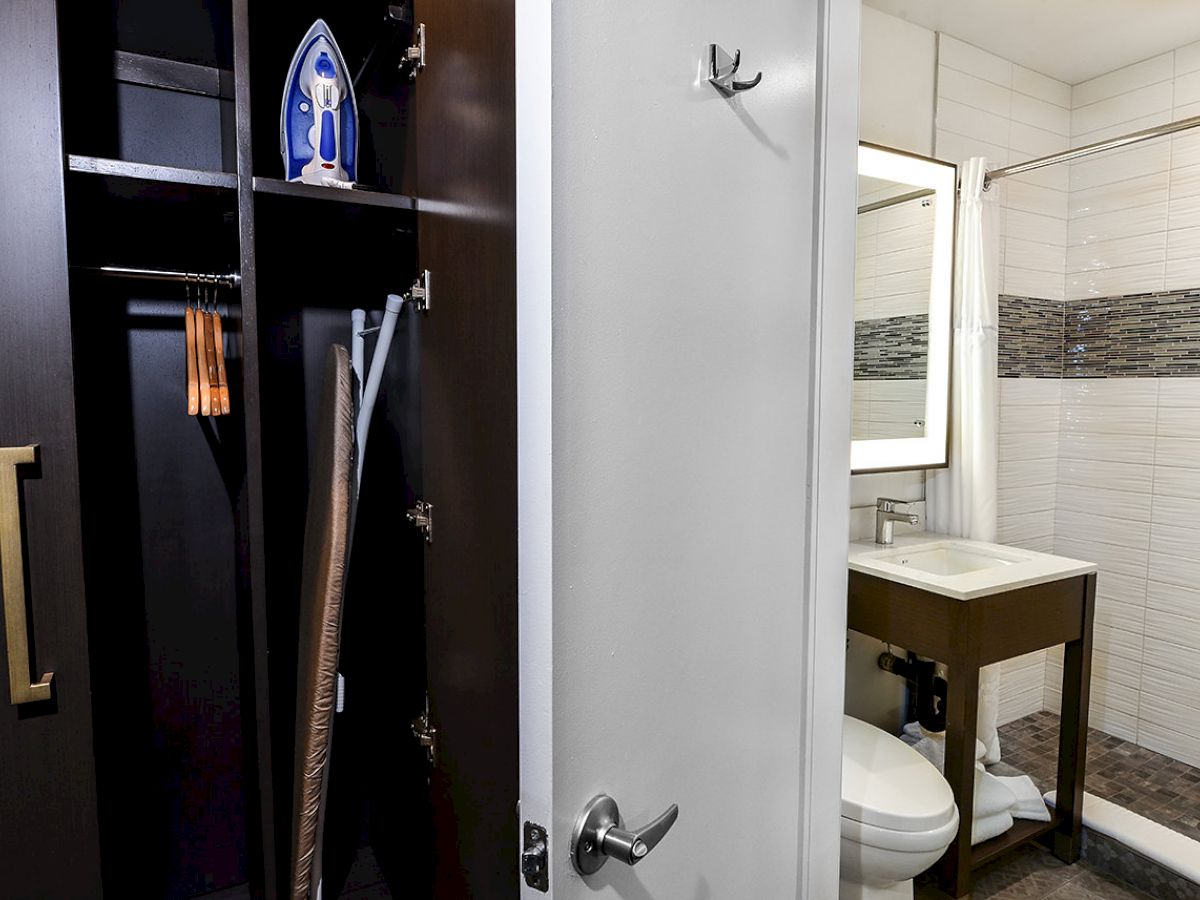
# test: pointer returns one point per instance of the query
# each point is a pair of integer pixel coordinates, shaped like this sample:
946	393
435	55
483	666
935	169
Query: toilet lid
888	784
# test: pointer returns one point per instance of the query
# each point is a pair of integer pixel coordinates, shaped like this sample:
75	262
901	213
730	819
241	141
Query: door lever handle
598	836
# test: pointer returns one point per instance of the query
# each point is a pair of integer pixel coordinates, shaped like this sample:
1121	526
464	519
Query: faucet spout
886	518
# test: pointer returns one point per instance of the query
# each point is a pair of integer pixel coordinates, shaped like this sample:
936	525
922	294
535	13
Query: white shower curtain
961	500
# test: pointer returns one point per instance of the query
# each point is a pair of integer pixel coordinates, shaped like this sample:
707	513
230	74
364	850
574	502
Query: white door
685	283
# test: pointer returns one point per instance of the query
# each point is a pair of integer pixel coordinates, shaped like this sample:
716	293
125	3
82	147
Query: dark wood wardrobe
152	559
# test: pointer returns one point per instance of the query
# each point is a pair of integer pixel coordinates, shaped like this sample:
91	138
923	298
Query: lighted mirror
904	272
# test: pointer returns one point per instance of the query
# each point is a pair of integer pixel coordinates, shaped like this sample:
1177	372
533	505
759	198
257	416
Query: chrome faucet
886	517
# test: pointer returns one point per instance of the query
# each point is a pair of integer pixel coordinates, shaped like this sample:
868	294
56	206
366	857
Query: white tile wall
893	265
1128	497
887	408
1029	451
1133	212
988	106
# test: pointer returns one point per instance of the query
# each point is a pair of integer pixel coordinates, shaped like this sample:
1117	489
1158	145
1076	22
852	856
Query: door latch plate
535	857
426	734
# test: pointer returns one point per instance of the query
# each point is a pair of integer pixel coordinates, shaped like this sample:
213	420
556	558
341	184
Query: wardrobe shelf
172	75
135	171
337	195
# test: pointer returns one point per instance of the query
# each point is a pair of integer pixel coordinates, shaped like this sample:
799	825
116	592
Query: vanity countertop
1009	568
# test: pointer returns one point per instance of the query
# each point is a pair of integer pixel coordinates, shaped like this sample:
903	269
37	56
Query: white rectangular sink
955	567
949	558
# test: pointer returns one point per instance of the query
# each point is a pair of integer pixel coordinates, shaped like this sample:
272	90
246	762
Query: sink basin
947	560
960	568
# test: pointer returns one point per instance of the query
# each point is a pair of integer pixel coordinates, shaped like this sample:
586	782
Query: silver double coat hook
722	67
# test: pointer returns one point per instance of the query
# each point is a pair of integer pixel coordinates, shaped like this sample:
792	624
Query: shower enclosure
1099	436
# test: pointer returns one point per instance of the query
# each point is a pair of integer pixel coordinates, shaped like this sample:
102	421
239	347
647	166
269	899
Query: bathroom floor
1162	789
1032	873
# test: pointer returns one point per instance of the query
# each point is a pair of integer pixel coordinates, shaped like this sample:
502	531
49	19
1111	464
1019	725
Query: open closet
155	555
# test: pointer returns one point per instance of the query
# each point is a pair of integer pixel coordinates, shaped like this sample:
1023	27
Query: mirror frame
931	451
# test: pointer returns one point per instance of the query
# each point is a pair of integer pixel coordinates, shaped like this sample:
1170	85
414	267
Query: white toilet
898	814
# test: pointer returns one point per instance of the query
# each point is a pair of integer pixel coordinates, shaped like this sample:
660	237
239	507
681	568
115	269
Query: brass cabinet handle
12	580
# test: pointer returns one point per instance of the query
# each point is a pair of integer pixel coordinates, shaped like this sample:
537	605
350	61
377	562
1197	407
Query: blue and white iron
318	125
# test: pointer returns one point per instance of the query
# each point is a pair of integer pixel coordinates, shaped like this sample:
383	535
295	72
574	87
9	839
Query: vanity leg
1072	738
962	710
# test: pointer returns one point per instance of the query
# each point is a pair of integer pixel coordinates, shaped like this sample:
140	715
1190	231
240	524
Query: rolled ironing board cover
326	534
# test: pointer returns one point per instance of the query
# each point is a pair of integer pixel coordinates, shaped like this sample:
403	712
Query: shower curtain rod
1136	137
896	201
231	280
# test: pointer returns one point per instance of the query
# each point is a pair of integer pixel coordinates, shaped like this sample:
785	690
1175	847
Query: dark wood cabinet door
49	843
466	185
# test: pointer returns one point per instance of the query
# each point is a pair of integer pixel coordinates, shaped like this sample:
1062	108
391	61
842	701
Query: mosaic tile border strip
1031	337
1147	335
1156	334
891	348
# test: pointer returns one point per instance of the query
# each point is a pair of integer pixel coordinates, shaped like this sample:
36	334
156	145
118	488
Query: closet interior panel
165	544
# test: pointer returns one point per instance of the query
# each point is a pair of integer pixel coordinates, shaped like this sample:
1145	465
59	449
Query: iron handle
598	836
12	580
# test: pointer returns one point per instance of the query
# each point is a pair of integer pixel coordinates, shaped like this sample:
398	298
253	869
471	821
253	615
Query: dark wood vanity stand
969	634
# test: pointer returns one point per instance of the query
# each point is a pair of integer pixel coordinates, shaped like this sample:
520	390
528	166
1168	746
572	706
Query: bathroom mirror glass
902	310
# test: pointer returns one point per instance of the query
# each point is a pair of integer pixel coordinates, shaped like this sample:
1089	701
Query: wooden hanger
210	350
189	329
202	366
219	341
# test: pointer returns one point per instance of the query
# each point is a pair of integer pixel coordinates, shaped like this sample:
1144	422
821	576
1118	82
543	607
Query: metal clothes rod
1136	137
231	280
896	201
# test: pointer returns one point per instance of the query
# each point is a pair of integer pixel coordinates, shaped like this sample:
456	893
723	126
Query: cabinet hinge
418	294
426	734
414	56
421	515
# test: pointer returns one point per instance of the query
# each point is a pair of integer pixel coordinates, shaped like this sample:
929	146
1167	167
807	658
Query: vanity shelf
967	634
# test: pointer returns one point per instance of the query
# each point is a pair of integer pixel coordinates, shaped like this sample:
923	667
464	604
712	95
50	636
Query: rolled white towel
988	827
991	796
1029	803
932	744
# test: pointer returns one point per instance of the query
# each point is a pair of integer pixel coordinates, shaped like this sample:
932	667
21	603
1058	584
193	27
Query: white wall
898	64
